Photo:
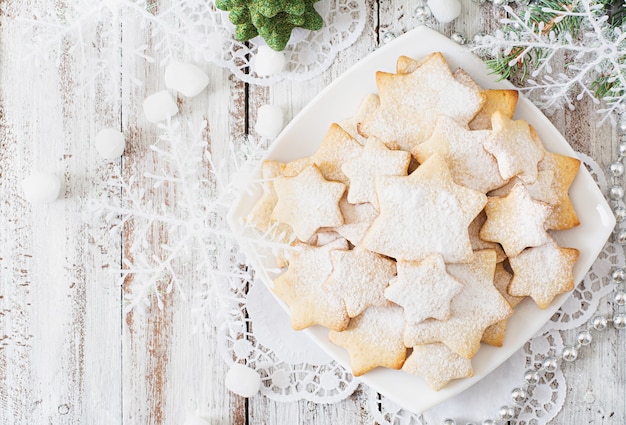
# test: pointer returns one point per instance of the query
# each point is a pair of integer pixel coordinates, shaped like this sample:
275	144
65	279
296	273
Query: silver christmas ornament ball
421	13
616	169
519	396
584	338
570	353
620	298
500	2
489	422
458	38
531	377
616	192
550	364
622	123
621	148
620	237
620	214
388	36
619	321
478	38
506	412
599	323
618	275
448	422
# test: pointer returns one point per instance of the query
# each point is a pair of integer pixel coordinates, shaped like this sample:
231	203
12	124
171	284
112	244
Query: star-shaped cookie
503	101
564	170
437	364
336	148
359	278
543	272
375	160
410	103
478	306
357	219
424	213
424	289
373	339
307	202
494	334
470	164
301	287
515	221
478	243
260	215
367	104
515	148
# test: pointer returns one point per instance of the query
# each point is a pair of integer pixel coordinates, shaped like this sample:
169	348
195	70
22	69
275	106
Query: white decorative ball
269	121
445	10
110	143
186	78
41	188
268	61
195	420
243	380
159	106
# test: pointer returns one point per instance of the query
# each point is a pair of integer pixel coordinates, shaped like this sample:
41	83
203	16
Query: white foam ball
269	121
243	380
445	10
195	420
268	61
110	143
186	78
41	188
159	106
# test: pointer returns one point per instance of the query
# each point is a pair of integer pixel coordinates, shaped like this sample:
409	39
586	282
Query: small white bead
159	106
268	61
243	380
269	121
445	10
186	78
41	188
110	143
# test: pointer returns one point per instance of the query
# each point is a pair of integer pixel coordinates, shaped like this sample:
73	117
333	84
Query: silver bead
388	36
584	337
620	214
531	377
616	192
550	364
489	422
458	38
519	396
621	237
570	353
619	321
500	2
616	169
599	323
421	13
448	422
621	148
506	412
622	123
620	298
618	275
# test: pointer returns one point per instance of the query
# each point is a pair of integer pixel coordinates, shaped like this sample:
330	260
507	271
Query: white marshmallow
269	121
268	61
159	106
187	79
242	380
41	188
445	10
110	143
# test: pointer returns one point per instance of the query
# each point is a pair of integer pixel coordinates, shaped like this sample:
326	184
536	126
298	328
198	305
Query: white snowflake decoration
569	63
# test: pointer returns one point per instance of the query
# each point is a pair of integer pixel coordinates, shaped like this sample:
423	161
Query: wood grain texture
69	354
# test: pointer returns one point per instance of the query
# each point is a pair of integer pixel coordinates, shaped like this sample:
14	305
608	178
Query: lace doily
193	29
268	344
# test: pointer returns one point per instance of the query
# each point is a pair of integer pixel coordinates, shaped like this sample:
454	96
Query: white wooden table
68	352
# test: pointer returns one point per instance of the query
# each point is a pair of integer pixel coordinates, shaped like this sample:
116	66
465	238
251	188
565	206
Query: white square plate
339	101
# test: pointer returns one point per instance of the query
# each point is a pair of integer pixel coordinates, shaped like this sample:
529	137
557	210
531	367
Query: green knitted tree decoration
271	19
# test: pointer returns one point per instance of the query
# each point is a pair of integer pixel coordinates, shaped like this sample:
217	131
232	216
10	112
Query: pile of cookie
420	223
